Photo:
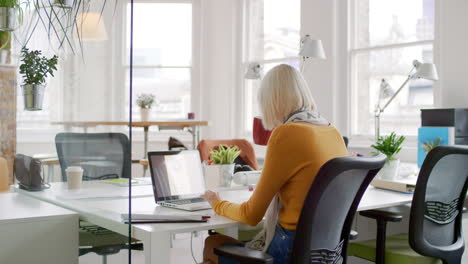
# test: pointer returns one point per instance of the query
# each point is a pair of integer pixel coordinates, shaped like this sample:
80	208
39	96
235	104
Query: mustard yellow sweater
295	153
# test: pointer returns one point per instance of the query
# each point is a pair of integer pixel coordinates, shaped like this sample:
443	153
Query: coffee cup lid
74	169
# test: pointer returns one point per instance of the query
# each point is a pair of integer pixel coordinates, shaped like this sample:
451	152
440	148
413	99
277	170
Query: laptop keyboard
187	201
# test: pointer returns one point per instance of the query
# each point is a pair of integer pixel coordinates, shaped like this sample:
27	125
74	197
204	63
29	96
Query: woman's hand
210	197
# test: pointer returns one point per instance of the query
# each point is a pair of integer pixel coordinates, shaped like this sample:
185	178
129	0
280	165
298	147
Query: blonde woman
302	141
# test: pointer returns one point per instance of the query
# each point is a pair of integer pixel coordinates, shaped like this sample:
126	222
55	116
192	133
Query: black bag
28	173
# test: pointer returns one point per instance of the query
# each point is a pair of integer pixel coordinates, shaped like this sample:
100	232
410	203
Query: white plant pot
390	170
145	114
217	176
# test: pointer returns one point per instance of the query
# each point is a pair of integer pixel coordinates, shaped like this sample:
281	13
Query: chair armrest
382	215
353	235
244	255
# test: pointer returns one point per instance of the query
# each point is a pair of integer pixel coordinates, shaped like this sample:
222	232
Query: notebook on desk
402	185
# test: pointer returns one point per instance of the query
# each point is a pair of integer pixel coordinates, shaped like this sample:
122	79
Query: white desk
33	231
106	210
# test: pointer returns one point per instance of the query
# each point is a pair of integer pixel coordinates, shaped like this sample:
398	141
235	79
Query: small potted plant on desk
390	146
145	102
220	168
35	69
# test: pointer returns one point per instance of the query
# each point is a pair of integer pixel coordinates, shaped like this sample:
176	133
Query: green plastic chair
397	250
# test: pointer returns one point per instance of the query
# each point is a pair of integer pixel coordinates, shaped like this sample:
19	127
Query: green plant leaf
389	145
35	68
225	155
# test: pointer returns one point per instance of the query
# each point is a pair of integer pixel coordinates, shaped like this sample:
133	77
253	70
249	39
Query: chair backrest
323	229
346	141
101	155
436	210
247	150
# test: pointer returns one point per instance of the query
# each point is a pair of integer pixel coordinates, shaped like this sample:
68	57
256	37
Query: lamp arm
303	63
394	95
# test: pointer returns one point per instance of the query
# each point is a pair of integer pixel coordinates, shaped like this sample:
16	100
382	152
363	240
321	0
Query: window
162	58
386	36
271	37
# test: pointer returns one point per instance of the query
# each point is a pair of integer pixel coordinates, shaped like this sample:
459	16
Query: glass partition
88	89
69	60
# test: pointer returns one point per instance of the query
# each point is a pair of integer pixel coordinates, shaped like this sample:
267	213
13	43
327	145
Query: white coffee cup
74	177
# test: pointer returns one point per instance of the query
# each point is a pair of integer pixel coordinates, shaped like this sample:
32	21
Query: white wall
219	62
451	54
318	19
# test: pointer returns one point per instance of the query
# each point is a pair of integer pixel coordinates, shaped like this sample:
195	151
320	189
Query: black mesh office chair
436	212
101	155
322	233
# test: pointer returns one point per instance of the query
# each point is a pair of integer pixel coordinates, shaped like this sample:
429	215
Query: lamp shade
91	27
426	71
386	91
254	71
312	48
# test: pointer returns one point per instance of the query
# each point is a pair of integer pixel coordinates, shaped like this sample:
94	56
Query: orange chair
245	233
247	151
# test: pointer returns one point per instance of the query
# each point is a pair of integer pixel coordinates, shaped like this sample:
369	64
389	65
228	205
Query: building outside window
386	36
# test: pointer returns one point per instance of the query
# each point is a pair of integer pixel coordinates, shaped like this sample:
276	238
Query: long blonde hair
283	91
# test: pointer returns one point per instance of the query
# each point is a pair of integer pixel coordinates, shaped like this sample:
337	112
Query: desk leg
157	251
145	155
50	173
195	131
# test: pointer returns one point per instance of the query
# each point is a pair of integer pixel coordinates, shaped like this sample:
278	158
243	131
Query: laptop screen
176	174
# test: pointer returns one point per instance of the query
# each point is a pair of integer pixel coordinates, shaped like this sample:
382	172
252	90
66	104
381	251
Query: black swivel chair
436	211
101	155
325	223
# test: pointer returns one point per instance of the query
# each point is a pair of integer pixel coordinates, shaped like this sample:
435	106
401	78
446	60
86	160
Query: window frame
195	30
361	140
195	100
246	60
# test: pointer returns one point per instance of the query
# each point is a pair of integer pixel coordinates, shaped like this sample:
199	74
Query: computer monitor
176	174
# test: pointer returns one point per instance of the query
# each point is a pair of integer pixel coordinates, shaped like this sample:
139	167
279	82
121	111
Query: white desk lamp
311	48
254	71
423	71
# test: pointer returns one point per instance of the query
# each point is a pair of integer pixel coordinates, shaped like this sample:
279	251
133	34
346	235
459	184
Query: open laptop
177	179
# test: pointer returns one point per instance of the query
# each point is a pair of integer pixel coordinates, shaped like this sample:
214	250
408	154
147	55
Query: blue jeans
280	247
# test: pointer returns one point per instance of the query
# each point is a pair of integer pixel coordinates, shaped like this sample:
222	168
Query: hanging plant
35	68
62	20
64	3
10	15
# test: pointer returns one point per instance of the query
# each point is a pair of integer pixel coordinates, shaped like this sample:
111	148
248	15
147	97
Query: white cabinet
32	231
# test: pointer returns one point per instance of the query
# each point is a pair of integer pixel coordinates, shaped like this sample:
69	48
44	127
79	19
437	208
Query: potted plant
390	146
10	15
145	102
220	169
35	68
